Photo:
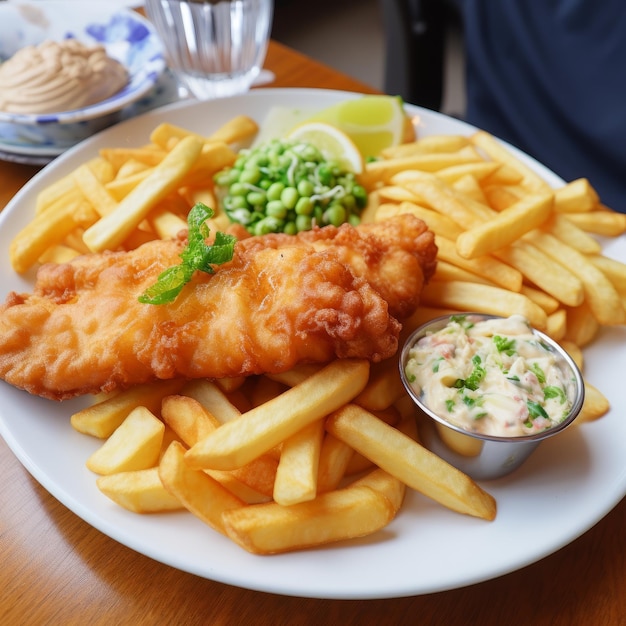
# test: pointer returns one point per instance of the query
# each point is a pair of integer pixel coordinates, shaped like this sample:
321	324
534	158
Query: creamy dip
58	76
491	376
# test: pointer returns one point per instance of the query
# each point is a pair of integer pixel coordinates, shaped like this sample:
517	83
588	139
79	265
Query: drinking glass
216	48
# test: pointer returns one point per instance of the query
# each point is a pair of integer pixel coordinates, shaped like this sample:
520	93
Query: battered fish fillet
282	300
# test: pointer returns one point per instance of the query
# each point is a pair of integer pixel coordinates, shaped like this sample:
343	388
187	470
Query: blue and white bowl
126	35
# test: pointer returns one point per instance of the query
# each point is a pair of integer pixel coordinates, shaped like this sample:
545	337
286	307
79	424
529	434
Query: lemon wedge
372	122
332	142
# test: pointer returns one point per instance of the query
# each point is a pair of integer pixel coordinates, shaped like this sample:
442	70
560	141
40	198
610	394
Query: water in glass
215	47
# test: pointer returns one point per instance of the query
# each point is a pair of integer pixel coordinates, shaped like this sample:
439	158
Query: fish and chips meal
236	315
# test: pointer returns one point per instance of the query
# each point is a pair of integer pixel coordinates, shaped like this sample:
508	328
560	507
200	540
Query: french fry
461	296
395	193
582	325
498	152
333	516
557	324
65	189
543	299
477	170
383	388
134	445
296	374
577	196
110	231
564	229
595	405
602	297
501	197
130	168
101	419
206	498
486	266
334	458
148	155
383	482
439	224
444	199
606	223
410	462
120	187
167	224
139	491
45	231
94	190
237	129
58	254
384	169
167	135
192	422
470	188
212	398
574	351
614	270
554	278
427	144
296	476
448	271
505	228
240	441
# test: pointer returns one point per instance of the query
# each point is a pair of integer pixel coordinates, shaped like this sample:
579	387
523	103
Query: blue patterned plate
126	36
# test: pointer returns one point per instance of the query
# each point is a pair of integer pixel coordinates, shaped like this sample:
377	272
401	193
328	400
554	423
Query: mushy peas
491	376
58	76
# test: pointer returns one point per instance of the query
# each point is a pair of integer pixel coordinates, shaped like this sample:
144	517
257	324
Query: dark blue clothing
549	76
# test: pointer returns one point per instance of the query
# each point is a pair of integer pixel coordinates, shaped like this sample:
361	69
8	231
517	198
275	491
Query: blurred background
349	35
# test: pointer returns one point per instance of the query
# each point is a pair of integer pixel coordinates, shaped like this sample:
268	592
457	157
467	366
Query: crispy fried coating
282	300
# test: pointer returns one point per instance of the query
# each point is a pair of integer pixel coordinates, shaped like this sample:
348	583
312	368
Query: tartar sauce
491	376
58	76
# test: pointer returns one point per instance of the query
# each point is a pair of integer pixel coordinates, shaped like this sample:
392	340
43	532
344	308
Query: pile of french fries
325	453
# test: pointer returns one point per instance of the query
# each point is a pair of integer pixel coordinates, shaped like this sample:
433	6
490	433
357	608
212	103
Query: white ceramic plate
570	483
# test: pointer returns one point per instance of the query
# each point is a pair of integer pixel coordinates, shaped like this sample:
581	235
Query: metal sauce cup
482	456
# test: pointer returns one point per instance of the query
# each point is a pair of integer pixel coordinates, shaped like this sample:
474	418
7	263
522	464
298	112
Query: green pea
231	203
335	214
256	198
348	201
354	220
268	224
290	228
303	222
304	206
324	174
289	197
250	175
274	191
305	187
360	195
276	208
237	189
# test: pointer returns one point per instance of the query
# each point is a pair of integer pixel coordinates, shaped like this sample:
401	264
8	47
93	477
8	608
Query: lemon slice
333	143
372	122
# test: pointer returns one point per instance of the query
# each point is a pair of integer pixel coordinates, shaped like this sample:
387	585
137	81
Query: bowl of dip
68	69
493	387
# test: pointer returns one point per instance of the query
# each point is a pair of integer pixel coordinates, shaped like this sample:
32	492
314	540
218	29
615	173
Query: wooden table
55	568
